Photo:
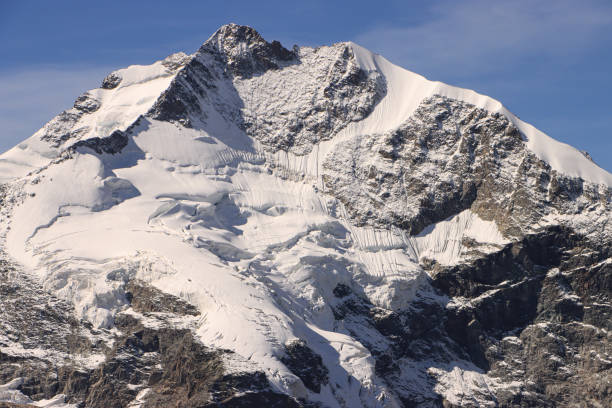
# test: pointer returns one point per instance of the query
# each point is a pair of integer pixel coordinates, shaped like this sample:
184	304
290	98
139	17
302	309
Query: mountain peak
238	33
253	226
245	51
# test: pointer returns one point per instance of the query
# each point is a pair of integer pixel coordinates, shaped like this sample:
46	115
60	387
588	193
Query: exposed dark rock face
67	125
62	128
176	368
111	81
415	336
86	103
146	299
259	399
32	319
564	348
529	321
340	94
111	145
306	364
183	100
524	315
232	65
448	157
341	290
187	368
245	52
525	318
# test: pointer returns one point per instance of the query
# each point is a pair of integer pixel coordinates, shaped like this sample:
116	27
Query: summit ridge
252	225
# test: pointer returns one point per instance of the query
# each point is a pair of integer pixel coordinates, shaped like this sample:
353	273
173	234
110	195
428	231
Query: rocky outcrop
327	83
524	316
111	145
360	301
306	364
167	364
87	103
448	157
237	64
244	51
63	128
146	299
40	336
111	81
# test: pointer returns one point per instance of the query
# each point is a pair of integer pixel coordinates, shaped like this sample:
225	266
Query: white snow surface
9	393
258	254
464	387
405	91
138	90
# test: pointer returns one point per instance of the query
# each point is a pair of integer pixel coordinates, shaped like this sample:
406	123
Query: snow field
248	236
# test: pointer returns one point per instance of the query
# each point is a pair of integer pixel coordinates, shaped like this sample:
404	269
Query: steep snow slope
407	90
125	95
245	179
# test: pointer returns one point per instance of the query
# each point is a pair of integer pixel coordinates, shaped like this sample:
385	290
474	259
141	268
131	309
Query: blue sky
550	62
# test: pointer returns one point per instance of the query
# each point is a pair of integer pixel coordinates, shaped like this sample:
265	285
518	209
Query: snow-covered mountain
257	226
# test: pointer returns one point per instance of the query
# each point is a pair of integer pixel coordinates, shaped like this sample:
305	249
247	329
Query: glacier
234	180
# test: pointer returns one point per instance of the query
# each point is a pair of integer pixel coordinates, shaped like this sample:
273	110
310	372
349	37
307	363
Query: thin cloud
478	36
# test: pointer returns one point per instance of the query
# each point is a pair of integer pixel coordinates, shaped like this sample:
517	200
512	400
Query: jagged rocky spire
245	51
